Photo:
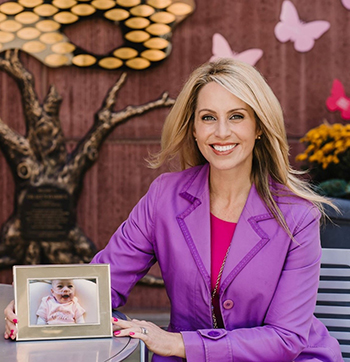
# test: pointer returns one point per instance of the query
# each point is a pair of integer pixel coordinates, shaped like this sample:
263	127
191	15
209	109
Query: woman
236	233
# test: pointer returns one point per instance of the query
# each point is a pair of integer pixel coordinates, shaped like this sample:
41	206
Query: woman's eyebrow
230	111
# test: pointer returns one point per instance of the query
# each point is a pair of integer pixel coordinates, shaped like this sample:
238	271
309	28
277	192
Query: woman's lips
223	149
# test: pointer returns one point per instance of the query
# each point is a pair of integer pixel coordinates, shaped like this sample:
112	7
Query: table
69	350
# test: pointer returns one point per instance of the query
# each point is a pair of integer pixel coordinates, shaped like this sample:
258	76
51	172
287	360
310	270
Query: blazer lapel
248	238
195	220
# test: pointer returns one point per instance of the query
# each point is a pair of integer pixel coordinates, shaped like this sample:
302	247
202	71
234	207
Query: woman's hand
156	339
11	321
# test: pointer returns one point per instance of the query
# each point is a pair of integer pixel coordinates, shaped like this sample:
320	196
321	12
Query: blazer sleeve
130	251
284	333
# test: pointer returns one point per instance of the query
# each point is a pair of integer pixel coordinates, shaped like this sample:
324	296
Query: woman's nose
223	129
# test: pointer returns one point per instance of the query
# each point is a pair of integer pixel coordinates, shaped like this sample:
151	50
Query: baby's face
63	290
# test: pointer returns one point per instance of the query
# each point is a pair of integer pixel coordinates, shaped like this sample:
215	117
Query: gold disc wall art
36	27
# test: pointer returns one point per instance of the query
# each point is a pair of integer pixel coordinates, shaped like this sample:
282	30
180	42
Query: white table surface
68	350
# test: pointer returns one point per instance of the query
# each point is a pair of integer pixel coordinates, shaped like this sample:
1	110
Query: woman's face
225	129
63	290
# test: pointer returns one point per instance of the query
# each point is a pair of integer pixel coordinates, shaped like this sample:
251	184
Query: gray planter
336	233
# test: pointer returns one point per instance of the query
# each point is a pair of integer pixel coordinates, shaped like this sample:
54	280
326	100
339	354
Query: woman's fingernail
15	321
131	333
115	319
116	333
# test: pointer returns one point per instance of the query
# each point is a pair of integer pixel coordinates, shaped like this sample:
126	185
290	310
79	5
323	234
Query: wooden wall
301	81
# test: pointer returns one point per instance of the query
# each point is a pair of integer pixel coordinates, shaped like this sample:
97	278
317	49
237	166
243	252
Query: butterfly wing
346	3
220	48
250	56
289	22
337	92
305	39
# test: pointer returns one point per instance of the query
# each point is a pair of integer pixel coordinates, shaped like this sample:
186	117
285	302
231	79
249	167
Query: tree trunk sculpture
47	177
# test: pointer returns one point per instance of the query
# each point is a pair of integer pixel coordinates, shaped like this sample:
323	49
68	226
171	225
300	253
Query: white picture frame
92	300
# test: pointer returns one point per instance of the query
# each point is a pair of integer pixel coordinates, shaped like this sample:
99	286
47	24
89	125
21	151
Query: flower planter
335	233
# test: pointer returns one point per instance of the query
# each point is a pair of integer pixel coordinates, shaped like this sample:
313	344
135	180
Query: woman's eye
208	118
237	116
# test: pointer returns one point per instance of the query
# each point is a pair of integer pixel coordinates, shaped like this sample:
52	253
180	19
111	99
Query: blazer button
228	304
213	333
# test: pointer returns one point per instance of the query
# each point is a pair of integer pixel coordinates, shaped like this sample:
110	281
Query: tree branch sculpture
48	177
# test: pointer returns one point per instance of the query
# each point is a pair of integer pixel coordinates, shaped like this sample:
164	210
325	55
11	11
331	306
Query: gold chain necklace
215	322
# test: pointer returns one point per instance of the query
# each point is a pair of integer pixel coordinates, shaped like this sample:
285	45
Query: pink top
221	236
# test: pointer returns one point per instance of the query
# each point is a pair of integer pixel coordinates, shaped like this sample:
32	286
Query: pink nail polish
115	319
15	321
131	333
116	333
11	333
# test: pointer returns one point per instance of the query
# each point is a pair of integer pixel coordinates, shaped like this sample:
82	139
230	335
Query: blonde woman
236	233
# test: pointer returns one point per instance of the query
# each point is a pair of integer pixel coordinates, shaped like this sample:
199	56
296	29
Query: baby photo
63	301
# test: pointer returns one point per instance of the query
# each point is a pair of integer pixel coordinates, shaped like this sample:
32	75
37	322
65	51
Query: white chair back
333	298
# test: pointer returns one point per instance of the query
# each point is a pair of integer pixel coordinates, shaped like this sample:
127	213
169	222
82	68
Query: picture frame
62	301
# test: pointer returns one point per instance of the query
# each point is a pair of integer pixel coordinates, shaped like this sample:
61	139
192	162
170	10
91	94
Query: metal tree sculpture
48	179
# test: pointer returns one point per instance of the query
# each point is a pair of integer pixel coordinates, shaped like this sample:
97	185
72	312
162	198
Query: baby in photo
61	306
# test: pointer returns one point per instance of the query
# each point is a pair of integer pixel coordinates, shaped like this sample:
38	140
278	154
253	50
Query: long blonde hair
270	155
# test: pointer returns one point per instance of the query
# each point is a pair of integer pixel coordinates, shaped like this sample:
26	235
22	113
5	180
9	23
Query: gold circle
51	38
10	25
30	3
56	60
10	8
47	25
156	43
137	36
159	4
84	60
159	29
23	170
142	10
45	10
180	9
33	47
103	4
83	10
153	55
138	63
116	14
137	23
3	17
28	33
63	48
27	17
128	3
65	17
163	17
125	53
64	4
110	63
6	37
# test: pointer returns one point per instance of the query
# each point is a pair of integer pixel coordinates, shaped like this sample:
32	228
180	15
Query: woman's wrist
178	345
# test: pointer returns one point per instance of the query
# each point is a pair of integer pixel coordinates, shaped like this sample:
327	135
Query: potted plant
327	156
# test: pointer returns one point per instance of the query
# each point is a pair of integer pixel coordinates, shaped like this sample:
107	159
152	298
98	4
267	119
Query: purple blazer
269	283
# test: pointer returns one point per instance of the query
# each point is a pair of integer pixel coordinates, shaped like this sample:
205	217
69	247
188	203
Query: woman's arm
130	251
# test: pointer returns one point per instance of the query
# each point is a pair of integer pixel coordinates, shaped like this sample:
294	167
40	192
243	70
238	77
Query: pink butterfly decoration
291	28
346	3
222	49
338	101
